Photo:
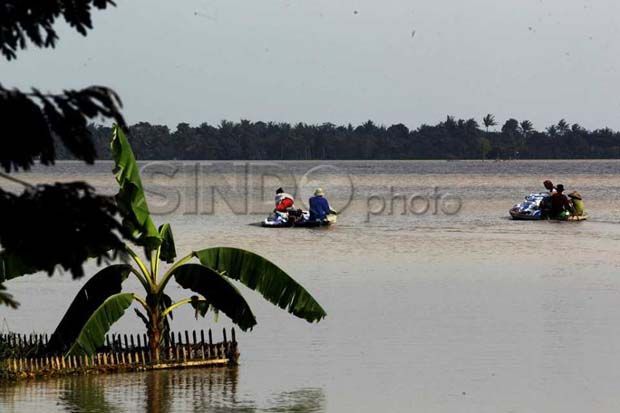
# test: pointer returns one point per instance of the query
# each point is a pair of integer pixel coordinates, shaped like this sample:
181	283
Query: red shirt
284	204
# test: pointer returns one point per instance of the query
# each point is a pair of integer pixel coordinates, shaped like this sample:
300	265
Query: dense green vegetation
450	139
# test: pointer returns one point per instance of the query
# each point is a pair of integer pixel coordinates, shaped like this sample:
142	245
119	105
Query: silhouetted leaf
200	306
34	20
60	224
6	298
218	292
93	333
39	120
12	266
269	280
142	317
25	132
95	292
168	250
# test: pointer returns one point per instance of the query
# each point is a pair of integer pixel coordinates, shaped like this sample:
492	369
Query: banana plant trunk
156	326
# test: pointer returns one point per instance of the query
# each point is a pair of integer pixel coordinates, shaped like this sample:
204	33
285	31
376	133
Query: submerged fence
25	356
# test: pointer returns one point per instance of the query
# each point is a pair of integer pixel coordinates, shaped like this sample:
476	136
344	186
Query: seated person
319	206
545	204
284	201
578	207
549	187
559	202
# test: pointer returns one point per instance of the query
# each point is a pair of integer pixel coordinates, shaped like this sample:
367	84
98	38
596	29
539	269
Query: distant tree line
450	139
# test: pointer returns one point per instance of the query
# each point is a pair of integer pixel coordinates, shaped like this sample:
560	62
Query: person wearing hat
319	206
284	201
578	207
559	202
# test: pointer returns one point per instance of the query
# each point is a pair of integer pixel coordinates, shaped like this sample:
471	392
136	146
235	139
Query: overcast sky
317	61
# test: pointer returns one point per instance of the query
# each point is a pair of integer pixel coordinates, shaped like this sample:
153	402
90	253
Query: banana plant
206	273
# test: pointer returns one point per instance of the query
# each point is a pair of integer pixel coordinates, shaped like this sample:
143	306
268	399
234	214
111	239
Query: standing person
559	202
319	206
284	201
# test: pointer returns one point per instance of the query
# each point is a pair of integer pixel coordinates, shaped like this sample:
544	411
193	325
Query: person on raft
284	202
578	208
545	204
319	206
549	187
560	205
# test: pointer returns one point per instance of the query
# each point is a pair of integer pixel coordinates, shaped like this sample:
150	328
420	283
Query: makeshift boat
297	219
530	209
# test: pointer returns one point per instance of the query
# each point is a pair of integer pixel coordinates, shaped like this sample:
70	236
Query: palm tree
526	127
563	127
552	131
488	121
577	128
450	122
472	125
101	301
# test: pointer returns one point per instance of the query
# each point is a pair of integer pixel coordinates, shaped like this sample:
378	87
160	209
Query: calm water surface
469	312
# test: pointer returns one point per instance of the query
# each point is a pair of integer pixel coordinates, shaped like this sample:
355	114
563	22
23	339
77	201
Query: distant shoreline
453	139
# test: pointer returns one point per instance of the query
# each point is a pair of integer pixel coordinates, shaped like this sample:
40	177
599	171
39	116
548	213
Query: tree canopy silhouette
450	139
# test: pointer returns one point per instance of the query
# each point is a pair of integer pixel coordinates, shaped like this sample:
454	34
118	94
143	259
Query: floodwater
452	309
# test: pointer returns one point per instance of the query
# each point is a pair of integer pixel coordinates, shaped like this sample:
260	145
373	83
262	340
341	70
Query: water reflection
213	390
83	395
157	392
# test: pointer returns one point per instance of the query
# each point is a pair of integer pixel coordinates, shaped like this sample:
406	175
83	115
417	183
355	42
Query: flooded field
436	300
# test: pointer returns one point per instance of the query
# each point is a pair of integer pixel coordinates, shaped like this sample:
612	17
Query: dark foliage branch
31	123
22	20
6	298
60	224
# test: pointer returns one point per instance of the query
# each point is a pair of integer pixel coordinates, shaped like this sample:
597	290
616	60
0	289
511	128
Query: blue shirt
319	207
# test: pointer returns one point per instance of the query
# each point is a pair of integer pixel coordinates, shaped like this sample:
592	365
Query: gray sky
344	61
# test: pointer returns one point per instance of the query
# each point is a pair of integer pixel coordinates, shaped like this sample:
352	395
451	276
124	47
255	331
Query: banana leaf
93	333
257	273
99	288
218	292
168	251
131	199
